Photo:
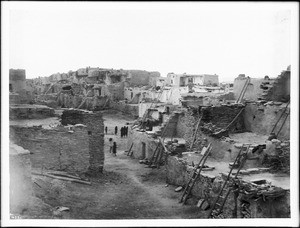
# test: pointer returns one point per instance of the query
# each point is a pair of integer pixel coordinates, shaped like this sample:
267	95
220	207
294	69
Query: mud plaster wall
137	138
20	186
253	90
54	149
261	119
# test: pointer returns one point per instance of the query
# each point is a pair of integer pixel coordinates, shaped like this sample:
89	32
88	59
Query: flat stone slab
178	189
199	204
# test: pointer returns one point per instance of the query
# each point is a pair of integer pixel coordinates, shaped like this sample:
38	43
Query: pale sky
197	38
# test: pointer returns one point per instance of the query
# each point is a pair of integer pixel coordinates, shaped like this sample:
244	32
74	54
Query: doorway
143	150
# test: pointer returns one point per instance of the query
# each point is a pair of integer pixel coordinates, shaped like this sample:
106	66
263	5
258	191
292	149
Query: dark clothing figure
106	130
110	145
116	130
115	149
126	131
122	132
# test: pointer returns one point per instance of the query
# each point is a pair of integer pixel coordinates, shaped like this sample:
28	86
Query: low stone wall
30	111
207	188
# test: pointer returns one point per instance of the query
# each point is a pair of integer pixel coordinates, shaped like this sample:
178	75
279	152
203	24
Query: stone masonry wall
95	128
54	149
207	187
219	116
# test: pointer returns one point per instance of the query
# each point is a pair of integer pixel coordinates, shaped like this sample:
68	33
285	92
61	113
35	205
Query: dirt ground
125	190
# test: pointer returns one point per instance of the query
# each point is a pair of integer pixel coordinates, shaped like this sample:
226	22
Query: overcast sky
197	38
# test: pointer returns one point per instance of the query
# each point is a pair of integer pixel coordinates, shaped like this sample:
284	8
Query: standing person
115	149
126	131
110	145
122	132
105	129
116	130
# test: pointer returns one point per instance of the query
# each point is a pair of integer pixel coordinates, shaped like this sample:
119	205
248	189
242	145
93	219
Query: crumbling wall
30	111
260	119
116	91
280	90
219	117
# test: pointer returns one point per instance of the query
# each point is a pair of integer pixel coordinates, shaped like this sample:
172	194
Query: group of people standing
124	131
112	144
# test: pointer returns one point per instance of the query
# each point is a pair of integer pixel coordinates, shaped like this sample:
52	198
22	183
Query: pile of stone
280	161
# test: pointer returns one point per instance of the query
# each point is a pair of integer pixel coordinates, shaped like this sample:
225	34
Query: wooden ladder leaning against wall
195	175
218	205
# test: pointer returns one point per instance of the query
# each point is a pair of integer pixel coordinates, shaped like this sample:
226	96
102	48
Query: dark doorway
143	150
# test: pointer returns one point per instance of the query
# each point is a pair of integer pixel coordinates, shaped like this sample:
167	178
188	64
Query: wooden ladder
220	201
158	152
195	175
280	117
130	152
243	91
195	133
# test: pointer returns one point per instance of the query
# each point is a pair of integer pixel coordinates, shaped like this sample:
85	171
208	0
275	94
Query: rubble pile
280	161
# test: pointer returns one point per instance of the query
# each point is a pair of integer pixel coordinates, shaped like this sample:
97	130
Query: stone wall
30	111
260	119
20	185
207	187
54	149
142	77
116	91
128	109
95	128
220	117
280	90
